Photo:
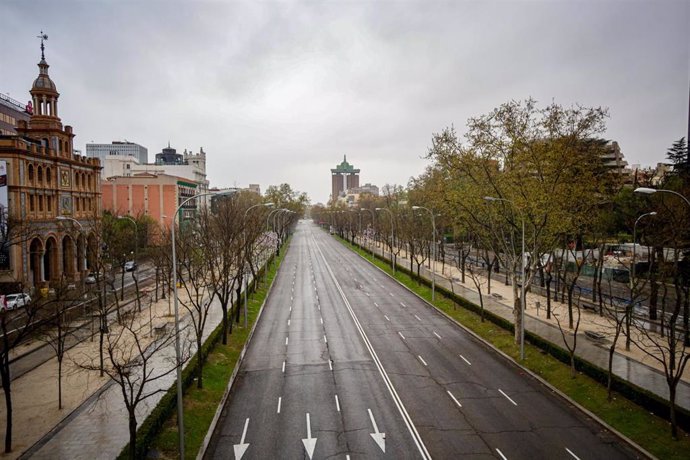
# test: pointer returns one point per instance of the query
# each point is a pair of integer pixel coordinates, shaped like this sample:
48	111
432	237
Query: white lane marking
391	294
283	367
465	359
321	320
347	457
290	307
324	339
286	341
401	335
385	316
422	360
453	398
436	334
379	438
337	403
382	371
501	454
418	318
381	285
241	448
330	364
403	305
288	323
309	442
376	305
507	397
571	453
280	401
367	294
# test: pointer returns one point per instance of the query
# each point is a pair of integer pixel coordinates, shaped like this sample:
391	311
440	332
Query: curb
514	363
233	376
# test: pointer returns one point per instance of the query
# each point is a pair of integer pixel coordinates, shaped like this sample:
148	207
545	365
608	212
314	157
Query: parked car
13	301
130	266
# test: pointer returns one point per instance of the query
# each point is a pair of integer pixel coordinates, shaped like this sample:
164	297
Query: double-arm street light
392	236
373	223
178	357
244	245
522	276
433	247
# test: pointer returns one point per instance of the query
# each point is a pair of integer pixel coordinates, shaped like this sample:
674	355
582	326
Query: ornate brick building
50	197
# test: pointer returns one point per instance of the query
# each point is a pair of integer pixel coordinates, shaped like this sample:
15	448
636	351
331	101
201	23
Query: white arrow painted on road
380	438
309	443
241	448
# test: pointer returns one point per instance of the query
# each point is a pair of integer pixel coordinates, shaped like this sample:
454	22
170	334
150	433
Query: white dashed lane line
507	397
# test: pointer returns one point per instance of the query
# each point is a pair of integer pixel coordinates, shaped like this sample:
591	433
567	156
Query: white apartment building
117	148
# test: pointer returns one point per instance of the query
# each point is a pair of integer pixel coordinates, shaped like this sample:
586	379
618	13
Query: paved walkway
98	429
625	367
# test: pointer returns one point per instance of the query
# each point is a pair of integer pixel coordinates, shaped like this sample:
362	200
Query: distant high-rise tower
343	177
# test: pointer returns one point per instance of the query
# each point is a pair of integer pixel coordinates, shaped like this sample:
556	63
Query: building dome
43	83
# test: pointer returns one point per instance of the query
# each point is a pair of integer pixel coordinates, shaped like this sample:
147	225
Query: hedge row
644	398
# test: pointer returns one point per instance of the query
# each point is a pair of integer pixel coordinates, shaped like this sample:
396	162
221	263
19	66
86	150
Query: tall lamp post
522	276
373	223
392	236
178	357
632	278
433	239
244	245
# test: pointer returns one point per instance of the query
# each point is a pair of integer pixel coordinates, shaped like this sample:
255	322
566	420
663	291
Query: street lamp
180	412
392	235
522	276
651	191
373	223
433	238
244	245
632	278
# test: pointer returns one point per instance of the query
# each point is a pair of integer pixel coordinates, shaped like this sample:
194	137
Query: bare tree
478	281
15	326
135	362
195	280
56	327
571	345
667	350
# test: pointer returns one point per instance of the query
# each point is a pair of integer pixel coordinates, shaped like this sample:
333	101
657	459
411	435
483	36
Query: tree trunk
672	408
200	364
60	383
6	382
224	309
548	294
132	434
571	287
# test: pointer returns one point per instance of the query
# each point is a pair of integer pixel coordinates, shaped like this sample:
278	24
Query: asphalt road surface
346	363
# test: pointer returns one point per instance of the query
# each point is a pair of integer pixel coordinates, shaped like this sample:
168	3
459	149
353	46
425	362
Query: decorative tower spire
42	36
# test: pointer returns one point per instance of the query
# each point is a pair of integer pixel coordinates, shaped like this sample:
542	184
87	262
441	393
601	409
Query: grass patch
649	431
200	405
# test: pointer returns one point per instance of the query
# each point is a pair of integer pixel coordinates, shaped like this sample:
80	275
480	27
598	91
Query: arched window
31	174
39	175
40	203
32	203
49	203
48	178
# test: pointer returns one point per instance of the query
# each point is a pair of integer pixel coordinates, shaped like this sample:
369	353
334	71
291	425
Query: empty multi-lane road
346	363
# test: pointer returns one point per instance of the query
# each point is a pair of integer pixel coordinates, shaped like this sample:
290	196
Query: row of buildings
52	196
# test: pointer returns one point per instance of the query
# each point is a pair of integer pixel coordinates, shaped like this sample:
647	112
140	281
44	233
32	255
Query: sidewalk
633	366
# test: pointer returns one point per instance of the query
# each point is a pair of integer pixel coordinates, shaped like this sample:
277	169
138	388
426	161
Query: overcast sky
279	91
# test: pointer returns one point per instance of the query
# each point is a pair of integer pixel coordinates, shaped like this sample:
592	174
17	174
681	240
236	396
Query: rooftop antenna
42	36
